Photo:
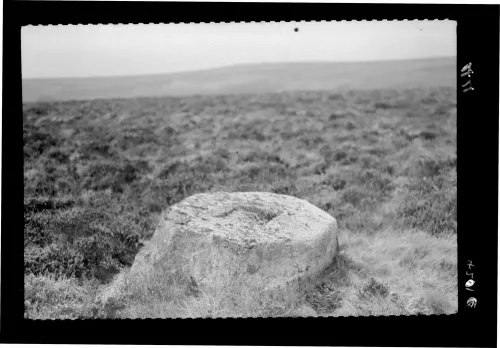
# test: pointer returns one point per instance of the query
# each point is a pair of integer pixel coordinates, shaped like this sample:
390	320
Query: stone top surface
250	218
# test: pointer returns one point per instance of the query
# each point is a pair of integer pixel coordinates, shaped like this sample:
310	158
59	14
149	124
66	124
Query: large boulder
260	239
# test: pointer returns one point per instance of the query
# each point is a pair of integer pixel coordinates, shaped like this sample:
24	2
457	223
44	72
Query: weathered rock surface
260	239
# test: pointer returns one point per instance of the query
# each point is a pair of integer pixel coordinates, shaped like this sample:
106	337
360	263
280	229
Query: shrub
250	134
376	182
383	105
97	148
337	182
320	168
311	139
172	169
353	196
78	242
114	175
341	211
58	155
430	210
428	134
338	115
50	297
374	160
285	188
344	158
54	259
128	173
323	298
39	204
264	172
361	221
176	182
37	141
39	109
373	288
223	153
100	176
262	156
209	165
37	229
431	201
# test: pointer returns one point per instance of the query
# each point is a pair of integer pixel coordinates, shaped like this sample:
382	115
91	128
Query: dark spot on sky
296	29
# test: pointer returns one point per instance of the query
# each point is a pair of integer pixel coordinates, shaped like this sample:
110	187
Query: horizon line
238	65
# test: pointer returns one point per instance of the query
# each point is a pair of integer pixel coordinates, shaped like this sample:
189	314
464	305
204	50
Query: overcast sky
111	50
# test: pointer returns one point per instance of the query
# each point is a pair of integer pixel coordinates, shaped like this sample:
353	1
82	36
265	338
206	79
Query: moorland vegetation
97	175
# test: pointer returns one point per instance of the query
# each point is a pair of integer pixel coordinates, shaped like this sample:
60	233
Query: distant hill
254	78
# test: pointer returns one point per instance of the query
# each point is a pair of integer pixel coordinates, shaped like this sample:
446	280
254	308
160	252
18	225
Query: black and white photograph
236	170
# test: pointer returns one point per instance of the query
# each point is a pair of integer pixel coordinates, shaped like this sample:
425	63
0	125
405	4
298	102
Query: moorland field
251	78
98	173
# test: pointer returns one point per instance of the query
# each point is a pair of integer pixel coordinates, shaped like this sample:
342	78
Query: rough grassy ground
383	163
251	78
